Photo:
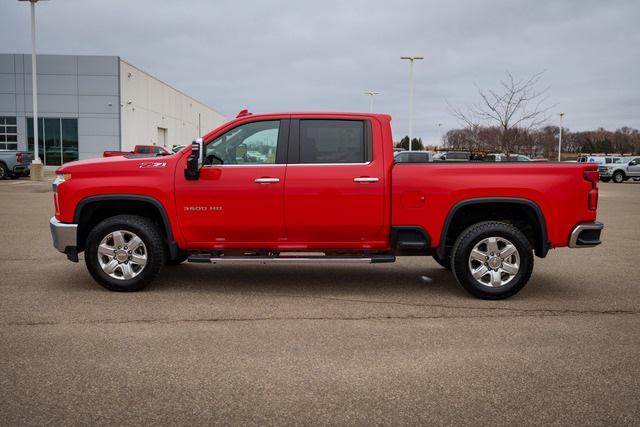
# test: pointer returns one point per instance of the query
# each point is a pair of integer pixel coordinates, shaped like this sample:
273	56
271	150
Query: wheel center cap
495	262
121	255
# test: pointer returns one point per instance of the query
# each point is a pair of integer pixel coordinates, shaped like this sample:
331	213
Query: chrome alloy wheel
122	255
494	262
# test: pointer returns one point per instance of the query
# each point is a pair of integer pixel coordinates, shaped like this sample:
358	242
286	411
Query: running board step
368	259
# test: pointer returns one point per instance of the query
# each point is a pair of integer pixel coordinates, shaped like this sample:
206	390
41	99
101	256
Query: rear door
335	184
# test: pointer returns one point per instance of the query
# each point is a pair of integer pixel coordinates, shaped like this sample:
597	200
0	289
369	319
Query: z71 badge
145	165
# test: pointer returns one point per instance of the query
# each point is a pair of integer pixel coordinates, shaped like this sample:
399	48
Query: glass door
57	140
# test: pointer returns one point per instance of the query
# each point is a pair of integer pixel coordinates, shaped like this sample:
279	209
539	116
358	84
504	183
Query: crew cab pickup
318	187
138	149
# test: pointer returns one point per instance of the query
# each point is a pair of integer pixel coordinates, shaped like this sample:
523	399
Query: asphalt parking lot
343	344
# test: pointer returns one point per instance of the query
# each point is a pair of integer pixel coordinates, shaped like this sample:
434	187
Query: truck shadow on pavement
398	281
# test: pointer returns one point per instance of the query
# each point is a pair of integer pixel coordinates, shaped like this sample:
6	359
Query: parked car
499	157
14	164
413	157
453	156
332	193
628	167
177	147
139	149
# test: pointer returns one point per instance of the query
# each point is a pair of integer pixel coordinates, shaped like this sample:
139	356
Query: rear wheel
4	172
492	260
124	252
619	177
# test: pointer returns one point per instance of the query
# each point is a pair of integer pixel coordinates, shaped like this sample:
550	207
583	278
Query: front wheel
124	253
492	260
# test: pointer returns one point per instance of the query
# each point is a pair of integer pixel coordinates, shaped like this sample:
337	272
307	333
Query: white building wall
147	104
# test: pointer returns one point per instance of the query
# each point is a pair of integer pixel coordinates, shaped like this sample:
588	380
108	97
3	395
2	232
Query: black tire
473	235
150	236
4	172
182	257
446	263
619	177
605	179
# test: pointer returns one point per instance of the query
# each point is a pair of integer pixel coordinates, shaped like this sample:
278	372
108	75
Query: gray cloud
284	56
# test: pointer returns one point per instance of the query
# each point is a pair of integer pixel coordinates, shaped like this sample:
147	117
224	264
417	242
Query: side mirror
633	163
195	160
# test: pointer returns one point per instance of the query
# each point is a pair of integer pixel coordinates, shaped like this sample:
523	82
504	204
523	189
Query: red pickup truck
138	149
318	187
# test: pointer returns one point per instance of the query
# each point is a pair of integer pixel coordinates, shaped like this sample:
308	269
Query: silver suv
629	167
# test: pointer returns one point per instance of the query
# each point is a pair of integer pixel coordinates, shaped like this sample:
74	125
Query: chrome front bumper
64	236
586	235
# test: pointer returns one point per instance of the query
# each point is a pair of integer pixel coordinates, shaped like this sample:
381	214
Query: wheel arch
485	204
93	209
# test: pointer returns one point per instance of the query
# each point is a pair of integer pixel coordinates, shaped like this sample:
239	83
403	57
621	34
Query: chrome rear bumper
64	235
586	235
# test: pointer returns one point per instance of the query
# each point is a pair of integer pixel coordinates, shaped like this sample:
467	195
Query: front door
238	200
634	170
335	187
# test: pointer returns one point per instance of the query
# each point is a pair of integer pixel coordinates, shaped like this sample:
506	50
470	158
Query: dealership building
89	104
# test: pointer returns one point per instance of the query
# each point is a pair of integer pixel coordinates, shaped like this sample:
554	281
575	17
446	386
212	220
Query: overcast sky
322	55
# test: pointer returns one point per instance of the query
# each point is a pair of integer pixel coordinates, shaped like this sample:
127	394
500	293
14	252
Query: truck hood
116	164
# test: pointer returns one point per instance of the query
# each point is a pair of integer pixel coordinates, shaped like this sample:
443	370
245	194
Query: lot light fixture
411	59
560	138
371	95
36	164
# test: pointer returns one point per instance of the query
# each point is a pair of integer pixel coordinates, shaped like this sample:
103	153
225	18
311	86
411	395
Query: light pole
371	95
36	171
560	137
440	133
411	59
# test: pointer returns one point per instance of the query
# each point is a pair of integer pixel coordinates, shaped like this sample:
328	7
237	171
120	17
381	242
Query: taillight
18	158
592	197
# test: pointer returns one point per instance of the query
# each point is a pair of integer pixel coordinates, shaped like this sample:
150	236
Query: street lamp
371	95
560	137
411	59
36	171
440	133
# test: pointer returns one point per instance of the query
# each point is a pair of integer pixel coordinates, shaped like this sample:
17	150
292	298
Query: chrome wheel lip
494	262
122	255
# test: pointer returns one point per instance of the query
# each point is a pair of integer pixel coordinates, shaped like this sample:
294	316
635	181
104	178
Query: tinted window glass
251	143
143	150
402	158
332	141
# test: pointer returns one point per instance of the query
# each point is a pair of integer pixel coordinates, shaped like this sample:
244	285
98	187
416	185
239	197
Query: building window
57	140
8	133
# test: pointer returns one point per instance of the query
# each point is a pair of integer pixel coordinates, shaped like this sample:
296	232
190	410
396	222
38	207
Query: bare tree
518	105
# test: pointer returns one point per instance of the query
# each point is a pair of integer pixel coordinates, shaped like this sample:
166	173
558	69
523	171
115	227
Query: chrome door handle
266	180
365	179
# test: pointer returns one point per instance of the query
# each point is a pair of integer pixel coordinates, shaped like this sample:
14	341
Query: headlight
60	178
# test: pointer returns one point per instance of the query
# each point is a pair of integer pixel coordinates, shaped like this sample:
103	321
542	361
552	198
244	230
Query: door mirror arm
195	160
